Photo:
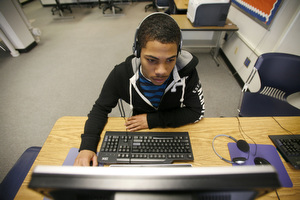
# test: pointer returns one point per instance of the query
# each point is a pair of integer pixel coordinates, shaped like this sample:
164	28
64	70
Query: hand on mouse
85	157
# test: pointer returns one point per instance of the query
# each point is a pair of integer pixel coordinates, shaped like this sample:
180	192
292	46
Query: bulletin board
262	11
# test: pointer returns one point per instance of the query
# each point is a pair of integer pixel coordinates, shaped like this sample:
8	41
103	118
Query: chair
152	5
279	74
60	8
15	177
110	5
158	4
162	4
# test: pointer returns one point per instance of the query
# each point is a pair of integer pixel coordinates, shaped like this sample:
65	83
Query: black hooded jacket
182	102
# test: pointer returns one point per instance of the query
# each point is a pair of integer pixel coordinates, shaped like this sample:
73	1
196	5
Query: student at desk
159	82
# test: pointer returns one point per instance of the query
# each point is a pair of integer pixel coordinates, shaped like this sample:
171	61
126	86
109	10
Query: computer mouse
261	161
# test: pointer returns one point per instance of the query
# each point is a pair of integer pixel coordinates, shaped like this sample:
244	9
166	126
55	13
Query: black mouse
261	161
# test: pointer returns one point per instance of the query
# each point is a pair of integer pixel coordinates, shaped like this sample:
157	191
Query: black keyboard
289	147
145	148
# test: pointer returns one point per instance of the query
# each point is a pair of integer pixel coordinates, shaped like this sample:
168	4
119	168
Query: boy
159	82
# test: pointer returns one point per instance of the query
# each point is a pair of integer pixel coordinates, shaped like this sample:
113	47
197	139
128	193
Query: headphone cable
277	194
290	132
243	132
123	115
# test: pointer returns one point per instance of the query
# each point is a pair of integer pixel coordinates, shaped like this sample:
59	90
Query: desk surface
185	25
182	4
67	130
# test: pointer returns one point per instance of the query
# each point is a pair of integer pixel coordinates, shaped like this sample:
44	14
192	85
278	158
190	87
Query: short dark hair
160	27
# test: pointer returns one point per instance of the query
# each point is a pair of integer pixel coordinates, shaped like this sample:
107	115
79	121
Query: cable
243	132
123	115
291	133
277	194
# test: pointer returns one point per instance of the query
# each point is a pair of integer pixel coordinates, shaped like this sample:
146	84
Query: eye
170	60
151	61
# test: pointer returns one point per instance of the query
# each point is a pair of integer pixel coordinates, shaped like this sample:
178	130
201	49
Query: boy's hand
85	157
137	122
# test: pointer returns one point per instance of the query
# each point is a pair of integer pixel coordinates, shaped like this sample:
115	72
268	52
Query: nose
160	70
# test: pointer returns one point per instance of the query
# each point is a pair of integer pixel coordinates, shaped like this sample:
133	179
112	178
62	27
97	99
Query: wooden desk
185	25
215	42
181	4
67	130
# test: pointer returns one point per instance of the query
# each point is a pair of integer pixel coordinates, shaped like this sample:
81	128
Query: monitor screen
120	183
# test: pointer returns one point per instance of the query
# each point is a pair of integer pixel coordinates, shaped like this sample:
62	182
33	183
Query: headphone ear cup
180	44
239	160
137	50
135	43
243	146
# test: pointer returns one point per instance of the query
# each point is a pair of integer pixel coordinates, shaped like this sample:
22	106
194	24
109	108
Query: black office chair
158	4
60	8
15	177
162	4
152	5
111	6
279	74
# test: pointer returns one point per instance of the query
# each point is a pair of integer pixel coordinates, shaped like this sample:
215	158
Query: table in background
181	4
218	33
67	131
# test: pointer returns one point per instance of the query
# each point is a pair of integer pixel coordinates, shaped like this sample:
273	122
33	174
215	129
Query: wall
252	39
13	26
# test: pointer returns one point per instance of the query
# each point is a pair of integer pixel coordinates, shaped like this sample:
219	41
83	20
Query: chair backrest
279	71
162	3
16	175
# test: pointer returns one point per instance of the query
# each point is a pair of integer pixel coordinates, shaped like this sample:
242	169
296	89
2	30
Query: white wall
13	26
252	39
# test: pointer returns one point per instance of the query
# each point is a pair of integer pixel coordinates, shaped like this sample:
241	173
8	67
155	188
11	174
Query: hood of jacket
185	65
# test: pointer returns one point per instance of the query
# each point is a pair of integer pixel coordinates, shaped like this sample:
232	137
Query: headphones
241	145
136	48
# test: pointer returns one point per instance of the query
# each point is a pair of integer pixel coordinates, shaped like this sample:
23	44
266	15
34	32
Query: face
158	61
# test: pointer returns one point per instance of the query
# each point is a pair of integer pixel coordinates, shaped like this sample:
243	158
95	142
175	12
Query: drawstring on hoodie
180	83
130	94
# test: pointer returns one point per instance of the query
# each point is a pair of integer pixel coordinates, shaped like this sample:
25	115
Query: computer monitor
120	183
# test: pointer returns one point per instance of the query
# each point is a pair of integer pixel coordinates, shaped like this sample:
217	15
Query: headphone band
239	160
135	47
222	135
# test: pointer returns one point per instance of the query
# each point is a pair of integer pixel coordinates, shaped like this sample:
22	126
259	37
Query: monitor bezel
53	181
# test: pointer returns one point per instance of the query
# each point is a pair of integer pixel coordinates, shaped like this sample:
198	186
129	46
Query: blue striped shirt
152	92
